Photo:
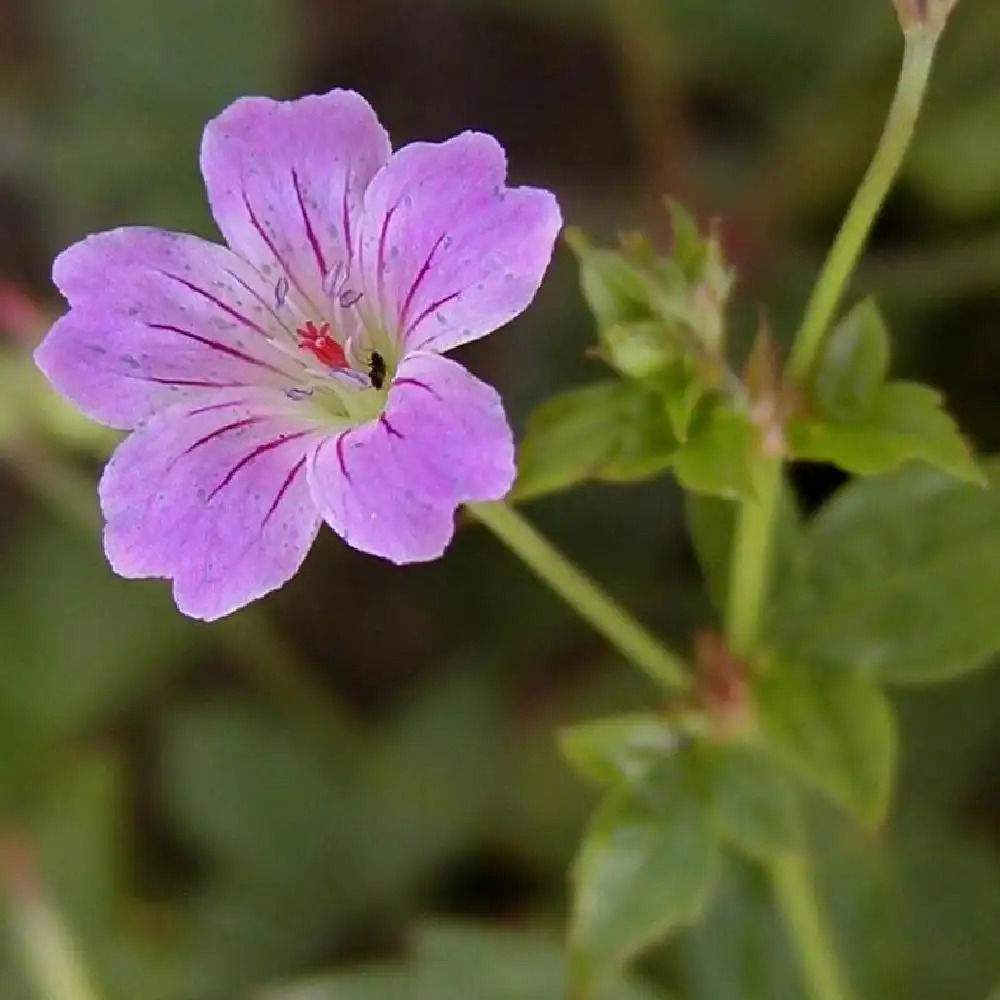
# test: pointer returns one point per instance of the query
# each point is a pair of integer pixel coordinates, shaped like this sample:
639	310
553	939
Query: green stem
751	557
583	595
843	257
52	959
749	574
799	908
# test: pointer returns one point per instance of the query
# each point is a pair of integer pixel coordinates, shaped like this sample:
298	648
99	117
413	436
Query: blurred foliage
201	833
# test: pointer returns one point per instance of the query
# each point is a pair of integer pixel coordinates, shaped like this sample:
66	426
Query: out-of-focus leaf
646	866
852	364
904	421
379	983
899	577
950	909
754	805
956	164
621	749
615	431
79	641
454	962
835	729
711	521
142	78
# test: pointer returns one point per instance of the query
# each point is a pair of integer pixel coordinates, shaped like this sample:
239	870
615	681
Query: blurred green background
220	810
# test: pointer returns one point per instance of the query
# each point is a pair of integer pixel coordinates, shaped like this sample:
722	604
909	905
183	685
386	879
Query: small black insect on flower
376	370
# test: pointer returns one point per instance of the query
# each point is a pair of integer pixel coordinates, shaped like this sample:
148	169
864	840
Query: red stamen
318	341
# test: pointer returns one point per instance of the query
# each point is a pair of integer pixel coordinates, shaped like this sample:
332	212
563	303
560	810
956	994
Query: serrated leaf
716	458
905	421
852	364
613	431
619	750
754	806
711	522
647	865
899	576
836	730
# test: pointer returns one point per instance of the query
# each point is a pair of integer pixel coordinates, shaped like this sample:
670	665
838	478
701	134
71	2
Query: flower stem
582	594
840	263
797	902
50	954
749	572
751	557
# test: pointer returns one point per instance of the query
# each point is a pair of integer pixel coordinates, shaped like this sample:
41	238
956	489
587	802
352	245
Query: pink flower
297	375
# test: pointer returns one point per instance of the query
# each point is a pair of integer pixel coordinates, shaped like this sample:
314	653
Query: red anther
318	341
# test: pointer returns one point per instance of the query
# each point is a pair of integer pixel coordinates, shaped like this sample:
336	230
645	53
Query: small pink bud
924	15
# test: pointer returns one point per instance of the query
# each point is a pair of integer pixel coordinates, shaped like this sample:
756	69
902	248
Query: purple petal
154	316
286	179
391	487
449	253
213	495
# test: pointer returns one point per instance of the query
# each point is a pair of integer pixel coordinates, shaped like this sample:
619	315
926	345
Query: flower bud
925	16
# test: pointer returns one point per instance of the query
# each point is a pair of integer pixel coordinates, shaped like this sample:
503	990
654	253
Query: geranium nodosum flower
297	375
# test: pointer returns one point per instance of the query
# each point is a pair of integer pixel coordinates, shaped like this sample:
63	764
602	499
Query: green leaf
620	750
711	522
852	365
905	421
899	576
754	804
647	866
716	458
836	730
456	962
615	431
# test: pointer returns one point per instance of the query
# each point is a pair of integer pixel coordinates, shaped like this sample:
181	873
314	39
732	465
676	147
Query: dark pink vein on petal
418	281
345	218
384	421
262	233
340	454
311	235
216	406
211	436
430	310
215	345
418	384
380	261
260	298
285	486
248	458
216	301
187	382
